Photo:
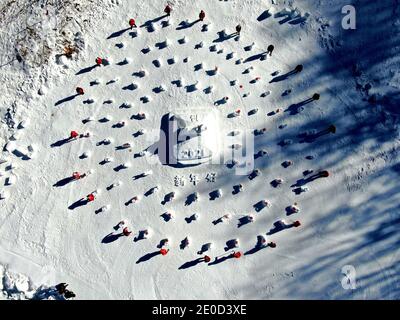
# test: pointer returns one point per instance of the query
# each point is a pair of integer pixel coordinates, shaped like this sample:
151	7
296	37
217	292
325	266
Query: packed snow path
169	65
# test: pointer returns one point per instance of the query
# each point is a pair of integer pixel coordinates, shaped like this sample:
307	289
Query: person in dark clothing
61	287
299	68
69	294
270	49
168	10
202	15
238	29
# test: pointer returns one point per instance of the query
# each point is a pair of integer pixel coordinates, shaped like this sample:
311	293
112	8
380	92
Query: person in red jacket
79	91
296	224
238	29
77	176
132	23
99	61
126	232
168	10
90	197
202	15
164	251
73	135
237	254
206	259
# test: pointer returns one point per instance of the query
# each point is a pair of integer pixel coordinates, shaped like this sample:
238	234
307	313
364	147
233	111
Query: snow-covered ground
349	221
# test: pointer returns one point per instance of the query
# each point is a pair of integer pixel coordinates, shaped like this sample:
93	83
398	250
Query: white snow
49	234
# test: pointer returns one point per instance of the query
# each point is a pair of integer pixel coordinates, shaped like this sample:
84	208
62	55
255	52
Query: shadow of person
257	56
81	202
63	182
185	25
148	256
230	244
111	237
255	249
190	264
66	99
278	226
149	22
117	33
190	199
219	260
44	293
263	16
243	221
214	195
303	181
86	70
140	236
259	206
222	36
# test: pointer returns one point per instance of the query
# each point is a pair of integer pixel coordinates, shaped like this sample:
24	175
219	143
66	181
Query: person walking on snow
202	15
99	61
299	68
270	49
77	175
126	232
272	244
80	91
238	29
168	10
237	254
316	96
164	251
90	197
69	294
132	23
206	259
73	135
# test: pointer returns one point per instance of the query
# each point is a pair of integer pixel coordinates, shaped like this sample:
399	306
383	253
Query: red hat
126	232
237	254
90	197
296	223
324	173
76	175
164	251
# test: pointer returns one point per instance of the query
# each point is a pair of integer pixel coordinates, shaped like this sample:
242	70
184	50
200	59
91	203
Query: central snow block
190	137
